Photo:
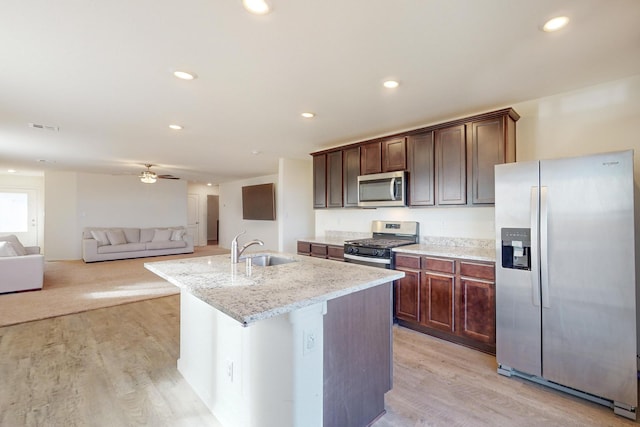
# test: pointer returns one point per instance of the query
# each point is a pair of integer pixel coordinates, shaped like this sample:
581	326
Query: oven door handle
367	259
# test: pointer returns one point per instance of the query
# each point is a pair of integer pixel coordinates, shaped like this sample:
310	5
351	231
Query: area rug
74	286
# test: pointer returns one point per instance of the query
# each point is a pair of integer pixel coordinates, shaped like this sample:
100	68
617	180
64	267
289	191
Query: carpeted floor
74	286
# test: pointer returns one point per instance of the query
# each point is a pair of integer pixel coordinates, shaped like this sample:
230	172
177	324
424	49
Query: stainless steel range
376	251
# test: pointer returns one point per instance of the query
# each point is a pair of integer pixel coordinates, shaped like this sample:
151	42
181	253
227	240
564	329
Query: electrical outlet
309	341
230	370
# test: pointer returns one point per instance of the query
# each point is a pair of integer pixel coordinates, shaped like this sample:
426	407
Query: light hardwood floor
117	367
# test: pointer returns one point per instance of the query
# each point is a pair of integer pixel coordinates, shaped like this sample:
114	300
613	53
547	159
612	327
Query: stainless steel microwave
382	189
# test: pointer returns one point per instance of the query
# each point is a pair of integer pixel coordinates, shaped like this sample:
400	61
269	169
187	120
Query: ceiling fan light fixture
147	176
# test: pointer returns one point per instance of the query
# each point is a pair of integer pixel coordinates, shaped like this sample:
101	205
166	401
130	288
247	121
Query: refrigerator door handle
535	264
544	247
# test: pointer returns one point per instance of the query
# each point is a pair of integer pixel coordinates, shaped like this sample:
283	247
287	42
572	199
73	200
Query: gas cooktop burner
379	243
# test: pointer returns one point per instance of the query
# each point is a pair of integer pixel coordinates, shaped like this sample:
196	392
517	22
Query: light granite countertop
469	253
251	294
324	240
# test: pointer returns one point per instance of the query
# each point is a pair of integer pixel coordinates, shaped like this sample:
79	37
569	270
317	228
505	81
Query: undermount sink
265	260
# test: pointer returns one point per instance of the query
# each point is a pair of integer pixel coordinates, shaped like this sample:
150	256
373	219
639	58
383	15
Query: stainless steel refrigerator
565	276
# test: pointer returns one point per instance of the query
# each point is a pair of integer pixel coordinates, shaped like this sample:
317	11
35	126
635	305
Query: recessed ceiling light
12	170
308	115
554	24
257	7
184	75
209	184
175	127
391	84
255	152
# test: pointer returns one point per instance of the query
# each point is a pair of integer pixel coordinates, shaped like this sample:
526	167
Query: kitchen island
303	343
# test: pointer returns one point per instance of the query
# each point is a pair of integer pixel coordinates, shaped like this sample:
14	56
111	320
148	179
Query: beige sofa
21	268
104	244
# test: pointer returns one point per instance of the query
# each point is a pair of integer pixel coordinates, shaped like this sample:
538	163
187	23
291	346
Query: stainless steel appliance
565	276
382	189
376	251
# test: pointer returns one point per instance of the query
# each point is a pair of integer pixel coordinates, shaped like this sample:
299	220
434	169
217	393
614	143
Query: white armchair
22	273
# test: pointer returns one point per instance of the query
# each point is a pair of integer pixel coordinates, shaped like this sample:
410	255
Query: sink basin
265	260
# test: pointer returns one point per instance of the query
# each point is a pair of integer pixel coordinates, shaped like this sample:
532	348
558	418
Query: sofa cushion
17	246
146	234
132	235
166	244
177	234
101	237
6	249
160	235
116	237
127	247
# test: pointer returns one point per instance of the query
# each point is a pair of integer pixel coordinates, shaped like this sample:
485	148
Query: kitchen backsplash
346	235
457	242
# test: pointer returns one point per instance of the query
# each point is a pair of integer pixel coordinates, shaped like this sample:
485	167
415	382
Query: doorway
213	219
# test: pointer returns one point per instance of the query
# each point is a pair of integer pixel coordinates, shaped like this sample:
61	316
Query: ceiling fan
149	177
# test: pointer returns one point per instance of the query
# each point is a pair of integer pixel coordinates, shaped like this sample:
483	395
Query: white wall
594	119
77	200
295	202
35	183
202	191
231	222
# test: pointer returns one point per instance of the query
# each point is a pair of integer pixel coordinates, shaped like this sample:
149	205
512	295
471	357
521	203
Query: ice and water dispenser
516	248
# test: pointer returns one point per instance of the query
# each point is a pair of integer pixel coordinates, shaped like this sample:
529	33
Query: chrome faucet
235	252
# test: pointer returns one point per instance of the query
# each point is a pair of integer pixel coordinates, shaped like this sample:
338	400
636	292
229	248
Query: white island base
267	374
326	364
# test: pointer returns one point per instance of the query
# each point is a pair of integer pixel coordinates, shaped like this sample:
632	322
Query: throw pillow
6	249
17	246
116	237
161	235
177	234
101	237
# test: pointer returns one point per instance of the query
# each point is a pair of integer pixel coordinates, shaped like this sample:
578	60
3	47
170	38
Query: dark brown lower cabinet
452	299
320	250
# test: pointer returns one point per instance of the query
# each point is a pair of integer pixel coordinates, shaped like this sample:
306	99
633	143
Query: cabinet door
351	158
487	148
394	155
320	181
421	169
407	296
304	248
451	165
318	250
371	158
335	253
476	310
436	301
334	179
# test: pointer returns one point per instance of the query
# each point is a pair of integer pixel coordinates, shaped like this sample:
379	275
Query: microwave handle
392	188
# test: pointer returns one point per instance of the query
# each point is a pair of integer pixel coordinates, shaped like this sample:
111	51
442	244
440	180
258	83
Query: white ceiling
101	71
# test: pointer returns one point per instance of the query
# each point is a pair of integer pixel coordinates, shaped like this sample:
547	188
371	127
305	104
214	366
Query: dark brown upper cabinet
448	164
351	162
451	166
420	159
334	179
394	155
490	142
320	181
371	158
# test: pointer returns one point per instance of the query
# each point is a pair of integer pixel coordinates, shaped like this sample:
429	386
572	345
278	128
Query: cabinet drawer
480	271
408	261
304	248
319	250
335	252
439	264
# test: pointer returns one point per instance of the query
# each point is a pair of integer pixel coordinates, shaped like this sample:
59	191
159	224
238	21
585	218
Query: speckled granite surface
253	294
336	238
464	252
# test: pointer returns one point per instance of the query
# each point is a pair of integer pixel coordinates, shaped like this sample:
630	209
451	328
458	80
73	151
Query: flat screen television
259	202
